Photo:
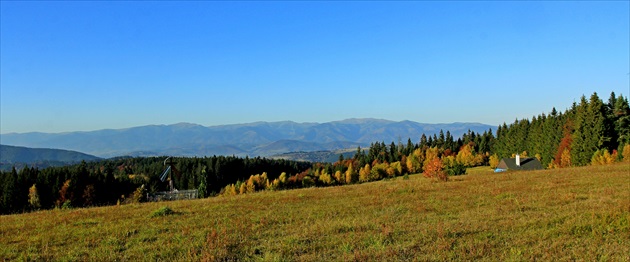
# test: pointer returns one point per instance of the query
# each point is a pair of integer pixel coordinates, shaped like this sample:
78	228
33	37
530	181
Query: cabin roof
529	163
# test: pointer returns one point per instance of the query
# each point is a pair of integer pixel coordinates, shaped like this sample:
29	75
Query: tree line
570	138
113	181
589	132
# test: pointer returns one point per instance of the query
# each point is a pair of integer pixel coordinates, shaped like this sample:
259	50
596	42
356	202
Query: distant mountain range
252	139
39	157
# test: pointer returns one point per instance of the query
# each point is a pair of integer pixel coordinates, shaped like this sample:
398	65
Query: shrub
602	157
435	169
66	205
456	169
162	211
308	182
378	172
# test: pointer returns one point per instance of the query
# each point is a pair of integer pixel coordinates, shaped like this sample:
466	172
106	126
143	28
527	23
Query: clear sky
80	66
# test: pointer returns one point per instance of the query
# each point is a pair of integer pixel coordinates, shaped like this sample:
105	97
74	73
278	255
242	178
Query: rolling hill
253	139
39	157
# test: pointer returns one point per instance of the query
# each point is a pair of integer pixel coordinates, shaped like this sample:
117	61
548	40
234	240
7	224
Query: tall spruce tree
621	119
579	147
552	134
592	130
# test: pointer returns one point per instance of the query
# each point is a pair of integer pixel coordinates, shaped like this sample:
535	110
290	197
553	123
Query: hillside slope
567	214
39	157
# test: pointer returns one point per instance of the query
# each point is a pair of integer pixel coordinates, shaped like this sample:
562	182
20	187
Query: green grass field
566	214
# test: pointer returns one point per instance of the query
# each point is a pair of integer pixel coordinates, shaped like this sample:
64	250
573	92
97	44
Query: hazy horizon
247	123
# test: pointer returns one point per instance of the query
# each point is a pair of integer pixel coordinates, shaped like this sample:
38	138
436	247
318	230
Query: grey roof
529	163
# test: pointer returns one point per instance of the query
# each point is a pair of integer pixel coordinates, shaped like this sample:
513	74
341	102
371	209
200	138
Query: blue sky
79	66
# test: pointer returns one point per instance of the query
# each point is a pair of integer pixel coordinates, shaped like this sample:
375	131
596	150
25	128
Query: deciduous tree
33	197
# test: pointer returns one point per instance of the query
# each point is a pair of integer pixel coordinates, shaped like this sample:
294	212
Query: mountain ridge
247	139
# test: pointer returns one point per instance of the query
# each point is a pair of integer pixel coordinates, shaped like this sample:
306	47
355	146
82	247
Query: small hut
518	163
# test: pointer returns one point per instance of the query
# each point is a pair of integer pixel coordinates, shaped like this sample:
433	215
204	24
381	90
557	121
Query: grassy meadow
563	214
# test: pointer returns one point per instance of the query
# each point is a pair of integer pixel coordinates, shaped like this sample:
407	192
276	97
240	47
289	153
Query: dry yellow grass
566	214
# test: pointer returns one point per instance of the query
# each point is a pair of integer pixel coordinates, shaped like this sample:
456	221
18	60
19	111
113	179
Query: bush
308	182
162	211
66	205
456	169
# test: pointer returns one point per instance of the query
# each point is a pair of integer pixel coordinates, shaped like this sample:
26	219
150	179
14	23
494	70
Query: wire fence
174	195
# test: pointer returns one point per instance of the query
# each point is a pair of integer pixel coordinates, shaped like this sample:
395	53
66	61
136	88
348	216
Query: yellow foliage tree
250	185
364	173
263	181
33	197
431	154
139	195
351	175
465	156
565	158
449	161
414	161
378	172
398	169
282	180
602	157
494	161
275	185
243	188
341	178
391	171
326	178
411	168
230	190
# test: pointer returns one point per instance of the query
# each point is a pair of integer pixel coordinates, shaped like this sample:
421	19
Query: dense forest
589	132
114	181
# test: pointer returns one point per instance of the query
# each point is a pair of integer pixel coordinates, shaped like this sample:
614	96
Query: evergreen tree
10	192
393	153
579	147
424	142
621	120
410	147
592	130
441	140
449	142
